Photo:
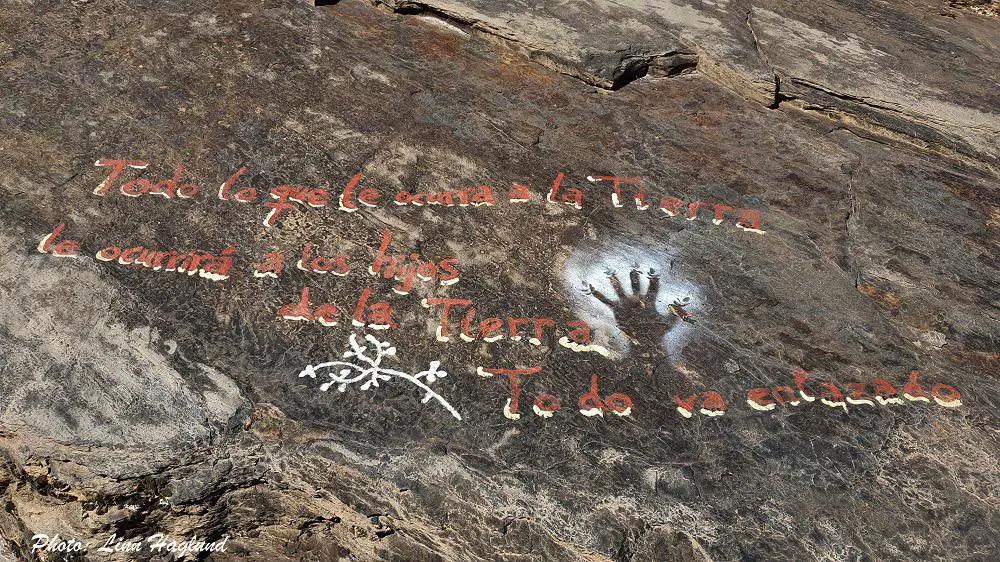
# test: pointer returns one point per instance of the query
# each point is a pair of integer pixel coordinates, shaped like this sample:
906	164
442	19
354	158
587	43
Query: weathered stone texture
866	134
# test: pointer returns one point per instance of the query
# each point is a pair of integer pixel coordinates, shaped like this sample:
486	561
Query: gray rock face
881	62
806	198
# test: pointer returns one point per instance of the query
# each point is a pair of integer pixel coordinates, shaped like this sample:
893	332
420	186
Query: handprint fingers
636	313
654	287
634	279
600	296
617	286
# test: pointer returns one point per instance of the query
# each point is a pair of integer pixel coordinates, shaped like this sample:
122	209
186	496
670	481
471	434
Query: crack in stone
630	68
888	135
851	222
885	106
756	43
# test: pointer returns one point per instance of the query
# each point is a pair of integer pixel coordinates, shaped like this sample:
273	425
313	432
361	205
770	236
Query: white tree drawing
369	369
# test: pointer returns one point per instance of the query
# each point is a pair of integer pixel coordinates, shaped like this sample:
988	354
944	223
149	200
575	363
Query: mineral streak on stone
769	332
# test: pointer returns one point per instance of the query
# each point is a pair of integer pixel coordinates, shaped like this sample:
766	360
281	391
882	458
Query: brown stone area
506	280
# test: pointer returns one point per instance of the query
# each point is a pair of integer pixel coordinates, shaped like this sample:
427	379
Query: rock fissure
631	67
776	103
888	135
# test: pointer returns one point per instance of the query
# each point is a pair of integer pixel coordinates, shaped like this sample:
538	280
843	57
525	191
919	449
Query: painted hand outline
636	313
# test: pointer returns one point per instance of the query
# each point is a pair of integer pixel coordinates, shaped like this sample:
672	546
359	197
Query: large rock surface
866	135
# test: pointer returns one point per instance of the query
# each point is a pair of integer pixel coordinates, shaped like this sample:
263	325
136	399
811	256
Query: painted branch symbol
368	371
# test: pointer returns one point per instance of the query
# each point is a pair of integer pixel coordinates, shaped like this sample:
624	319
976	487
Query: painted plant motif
363	365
